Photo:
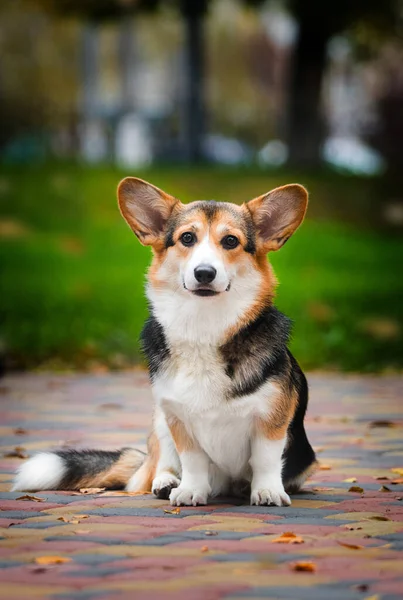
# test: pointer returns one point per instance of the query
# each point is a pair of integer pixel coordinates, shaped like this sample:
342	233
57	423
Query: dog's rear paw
163	484
185	497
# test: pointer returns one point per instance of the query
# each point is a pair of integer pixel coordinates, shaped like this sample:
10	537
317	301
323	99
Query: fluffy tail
75	469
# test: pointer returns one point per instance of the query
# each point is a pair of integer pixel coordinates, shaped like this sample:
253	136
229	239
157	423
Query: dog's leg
167	474
266	463
195	487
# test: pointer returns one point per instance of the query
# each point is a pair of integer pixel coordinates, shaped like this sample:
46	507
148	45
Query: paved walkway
342	539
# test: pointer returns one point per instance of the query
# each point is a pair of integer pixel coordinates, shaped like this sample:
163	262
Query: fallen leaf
211	533
204	549
32	498
351	546
18	452
398	470
91	490
323	467
356	489
397	481
361	587
383	478
74	519
82	531
350	480
307	567
379	518
382	423
52	560
374	597
173	511
384	488
20	431
288	538
123	493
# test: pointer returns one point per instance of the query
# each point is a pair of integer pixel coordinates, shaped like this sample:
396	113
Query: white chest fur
194	388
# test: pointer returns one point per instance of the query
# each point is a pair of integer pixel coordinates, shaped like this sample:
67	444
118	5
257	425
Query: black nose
205	273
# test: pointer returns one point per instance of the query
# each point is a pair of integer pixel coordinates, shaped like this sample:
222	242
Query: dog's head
209	250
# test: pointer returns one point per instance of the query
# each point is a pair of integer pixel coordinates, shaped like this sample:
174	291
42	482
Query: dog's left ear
145	208
278	214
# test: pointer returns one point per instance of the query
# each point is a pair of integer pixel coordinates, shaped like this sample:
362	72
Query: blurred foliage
73	273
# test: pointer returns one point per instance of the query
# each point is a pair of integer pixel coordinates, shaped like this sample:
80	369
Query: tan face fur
208	250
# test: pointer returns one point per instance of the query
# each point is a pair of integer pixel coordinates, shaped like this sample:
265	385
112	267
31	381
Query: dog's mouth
204	292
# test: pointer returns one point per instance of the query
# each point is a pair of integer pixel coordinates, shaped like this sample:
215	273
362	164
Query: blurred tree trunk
193	13
90	70
126	62
305	119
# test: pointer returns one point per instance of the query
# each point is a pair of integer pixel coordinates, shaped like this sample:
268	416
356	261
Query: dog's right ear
145	208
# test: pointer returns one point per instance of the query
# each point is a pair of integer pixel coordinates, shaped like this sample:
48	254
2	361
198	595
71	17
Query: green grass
72	273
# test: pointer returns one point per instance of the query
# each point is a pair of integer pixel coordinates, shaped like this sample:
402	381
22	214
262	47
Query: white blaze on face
207	254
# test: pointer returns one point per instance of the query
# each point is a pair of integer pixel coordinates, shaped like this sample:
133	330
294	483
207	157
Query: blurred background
220	99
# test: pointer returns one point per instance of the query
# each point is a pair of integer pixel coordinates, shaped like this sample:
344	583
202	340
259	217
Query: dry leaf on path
18	452
350	480
204	549
323	467
351	546
82	531
397	481
32	498
20	431
379	518
382	423
74	519
356	489
383	488
174	511
52	560
398	471
91	490
288	538
307	567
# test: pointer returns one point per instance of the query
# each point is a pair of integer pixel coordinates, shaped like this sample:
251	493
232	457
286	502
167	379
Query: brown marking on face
274	427
183	441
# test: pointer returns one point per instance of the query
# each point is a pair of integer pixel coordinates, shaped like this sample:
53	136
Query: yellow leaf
324	467
52	560
351	546
204	549
123	493
174	511
32	498
398	470
308	567
288	538
350	480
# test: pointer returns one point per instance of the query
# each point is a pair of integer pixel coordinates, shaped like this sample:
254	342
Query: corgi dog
230	399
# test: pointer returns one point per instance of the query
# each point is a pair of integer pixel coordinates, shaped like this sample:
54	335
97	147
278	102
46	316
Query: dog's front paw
185	497
273	494
163	484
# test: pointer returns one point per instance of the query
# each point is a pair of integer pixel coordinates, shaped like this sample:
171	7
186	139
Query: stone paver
124	547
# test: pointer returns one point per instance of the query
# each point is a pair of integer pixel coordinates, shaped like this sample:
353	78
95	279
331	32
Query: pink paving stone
394	586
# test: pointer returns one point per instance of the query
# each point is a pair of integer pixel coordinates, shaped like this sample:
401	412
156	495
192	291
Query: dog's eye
229	242
188	238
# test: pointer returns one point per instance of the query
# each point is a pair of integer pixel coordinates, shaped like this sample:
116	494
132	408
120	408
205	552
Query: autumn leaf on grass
398	471
52	560
18	452
356	489
173	511
350	480
32	498
288	538
91	490
308	567
350	546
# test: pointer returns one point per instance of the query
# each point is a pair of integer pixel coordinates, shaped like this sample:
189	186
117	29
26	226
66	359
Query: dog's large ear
277	215
145	208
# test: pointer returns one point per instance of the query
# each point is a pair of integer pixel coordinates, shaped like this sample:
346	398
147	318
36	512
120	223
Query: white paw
163	484
270	495
185	497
